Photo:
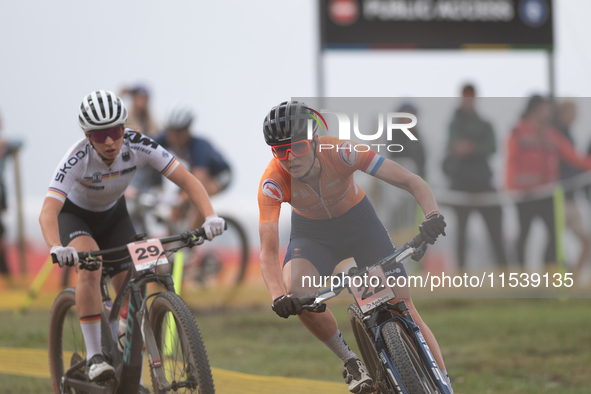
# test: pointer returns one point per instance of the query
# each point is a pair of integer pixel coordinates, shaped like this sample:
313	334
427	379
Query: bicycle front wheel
66	343
404	354
181	347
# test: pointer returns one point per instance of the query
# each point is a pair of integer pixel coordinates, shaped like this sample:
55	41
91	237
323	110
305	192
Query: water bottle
122	328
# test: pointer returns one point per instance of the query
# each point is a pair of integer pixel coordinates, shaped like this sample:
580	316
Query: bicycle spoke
72	339
177	369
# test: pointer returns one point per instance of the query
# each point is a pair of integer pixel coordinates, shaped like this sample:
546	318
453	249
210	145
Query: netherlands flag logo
347	153
272	189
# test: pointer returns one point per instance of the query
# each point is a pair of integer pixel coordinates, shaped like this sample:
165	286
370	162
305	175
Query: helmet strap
103	158
312	166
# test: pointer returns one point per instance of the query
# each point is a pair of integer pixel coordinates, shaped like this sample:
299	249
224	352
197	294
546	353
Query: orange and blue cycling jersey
338	191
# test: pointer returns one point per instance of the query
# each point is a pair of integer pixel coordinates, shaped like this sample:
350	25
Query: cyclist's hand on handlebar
214	225
286	306
65	255
432	227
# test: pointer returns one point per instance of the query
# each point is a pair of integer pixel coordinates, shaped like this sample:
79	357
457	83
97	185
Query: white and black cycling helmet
287	122
180	116
100	110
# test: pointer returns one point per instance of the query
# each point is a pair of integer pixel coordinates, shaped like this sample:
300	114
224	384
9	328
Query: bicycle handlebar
92	266
416	241
418	246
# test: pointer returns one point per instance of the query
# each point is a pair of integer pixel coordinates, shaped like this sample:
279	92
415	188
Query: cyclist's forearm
423	194
194	189
211	184
50	230
200	198
49	224
272	275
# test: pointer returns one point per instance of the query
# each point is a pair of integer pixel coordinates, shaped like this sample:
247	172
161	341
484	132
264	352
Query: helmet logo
315	115
272	189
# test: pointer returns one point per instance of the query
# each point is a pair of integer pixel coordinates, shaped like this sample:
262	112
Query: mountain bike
392	347
177	358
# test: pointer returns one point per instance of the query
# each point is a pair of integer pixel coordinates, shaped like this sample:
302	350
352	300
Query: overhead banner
436	24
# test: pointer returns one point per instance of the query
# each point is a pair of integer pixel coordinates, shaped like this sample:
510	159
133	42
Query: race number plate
147	254
373	291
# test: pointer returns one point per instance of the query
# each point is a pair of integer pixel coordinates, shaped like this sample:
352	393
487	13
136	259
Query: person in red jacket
534	152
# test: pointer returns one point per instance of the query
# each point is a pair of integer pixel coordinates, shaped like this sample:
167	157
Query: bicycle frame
129	365
374	320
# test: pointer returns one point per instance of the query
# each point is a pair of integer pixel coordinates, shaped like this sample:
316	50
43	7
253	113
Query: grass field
490	345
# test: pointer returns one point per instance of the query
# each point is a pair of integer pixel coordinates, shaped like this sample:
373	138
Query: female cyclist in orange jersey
332	220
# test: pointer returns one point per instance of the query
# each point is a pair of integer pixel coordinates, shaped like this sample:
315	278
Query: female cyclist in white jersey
85	210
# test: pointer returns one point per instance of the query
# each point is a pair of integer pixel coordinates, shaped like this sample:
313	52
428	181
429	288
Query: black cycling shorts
358	233
110	229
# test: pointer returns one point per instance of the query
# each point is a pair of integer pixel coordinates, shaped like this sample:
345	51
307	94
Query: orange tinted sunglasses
298	149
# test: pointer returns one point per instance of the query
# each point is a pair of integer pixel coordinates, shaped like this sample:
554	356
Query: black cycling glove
432	227
286	306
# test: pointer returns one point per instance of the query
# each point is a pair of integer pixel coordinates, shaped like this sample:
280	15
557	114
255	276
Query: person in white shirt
85	210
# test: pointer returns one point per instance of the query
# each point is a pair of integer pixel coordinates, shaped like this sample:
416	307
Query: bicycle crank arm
86	387
156	362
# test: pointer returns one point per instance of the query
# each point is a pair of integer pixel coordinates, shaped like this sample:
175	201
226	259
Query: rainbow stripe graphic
318	115
90	319
57	194
170	167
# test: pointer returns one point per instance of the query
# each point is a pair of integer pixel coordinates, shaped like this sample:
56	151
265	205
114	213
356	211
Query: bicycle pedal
105	378
366	389
75	359
80	375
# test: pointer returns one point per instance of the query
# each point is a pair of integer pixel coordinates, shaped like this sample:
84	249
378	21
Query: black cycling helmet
287	122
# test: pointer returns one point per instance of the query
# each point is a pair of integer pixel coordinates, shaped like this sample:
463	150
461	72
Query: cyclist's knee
300	277
89	277
83	243
296	286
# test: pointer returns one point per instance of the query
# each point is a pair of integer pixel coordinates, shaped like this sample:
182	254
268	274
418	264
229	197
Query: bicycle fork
154	356
386	359
415	334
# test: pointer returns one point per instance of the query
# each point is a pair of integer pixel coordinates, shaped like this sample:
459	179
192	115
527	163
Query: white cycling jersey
84	178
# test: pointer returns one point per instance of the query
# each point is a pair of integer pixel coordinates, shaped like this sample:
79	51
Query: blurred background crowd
216	60
538	175
504	140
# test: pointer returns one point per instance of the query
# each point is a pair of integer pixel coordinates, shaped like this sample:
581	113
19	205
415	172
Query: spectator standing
7	148
566	113
3	264
140	117
413	150
534	152
471	142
